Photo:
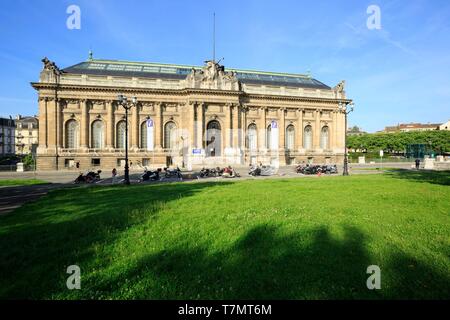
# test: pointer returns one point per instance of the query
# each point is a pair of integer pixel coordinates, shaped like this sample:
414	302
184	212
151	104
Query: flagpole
214	37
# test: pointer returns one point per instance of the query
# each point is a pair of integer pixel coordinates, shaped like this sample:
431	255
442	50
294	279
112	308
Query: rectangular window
95	161
69	163
121	163
145	162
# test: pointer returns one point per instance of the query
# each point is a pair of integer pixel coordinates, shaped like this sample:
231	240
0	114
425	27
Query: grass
20	182
309	238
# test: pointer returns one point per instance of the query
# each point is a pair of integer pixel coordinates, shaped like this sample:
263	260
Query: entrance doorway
213	139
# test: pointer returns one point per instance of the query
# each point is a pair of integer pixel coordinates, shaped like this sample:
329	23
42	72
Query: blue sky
400	73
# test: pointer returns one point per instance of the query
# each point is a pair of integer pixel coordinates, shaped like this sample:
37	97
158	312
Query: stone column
110	125
135	127
316	138
299	129
262	129
84	125
43	134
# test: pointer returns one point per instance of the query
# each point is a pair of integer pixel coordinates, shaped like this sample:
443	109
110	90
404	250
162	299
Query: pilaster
282	129
299	130
110	125
84	125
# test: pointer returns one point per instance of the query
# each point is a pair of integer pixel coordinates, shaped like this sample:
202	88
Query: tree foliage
438	140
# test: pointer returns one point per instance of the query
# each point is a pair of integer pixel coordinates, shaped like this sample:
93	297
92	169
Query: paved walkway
15	196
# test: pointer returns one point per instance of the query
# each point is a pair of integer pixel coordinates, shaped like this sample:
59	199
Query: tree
438	140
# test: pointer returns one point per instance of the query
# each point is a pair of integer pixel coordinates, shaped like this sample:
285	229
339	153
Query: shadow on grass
40	239
264	264
430	176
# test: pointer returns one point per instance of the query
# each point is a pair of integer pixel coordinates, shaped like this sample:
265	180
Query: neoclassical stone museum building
185	116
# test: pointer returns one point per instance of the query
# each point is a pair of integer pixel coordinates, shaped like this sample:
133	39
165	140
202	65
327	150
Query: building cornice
244	96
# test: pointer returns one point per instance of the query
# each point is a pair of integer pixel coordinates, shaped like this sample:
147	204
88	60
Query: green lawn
307	238
20	182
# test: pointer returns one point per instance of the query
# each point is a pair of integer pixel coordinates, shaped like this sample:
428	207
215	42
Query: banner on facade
274	135
150	135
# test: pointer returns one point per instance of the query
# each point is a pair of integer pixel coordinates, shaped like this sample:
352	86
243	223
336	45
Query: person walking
114	175
417	163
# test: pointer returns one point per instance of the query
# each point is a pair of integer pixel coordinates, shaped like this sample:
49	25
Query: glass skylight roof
153	69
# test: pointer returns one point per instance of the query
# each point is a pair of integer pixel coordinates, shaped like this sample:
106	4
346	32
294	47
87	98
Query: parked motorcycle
89	177
213	172
261	171
204	172
151	175
172	173
229	172
316	169
331	169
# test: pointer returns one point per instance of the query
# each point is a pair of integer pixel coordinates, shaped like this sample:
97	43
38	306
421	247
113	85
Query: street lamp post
343	108
123	101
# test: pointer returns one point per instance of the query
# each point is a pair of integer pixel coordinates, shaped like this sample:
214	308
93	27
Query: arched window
290	137
120	136
252	137
324	138
169	135
307	137
269	136
144	144
97	134
72	134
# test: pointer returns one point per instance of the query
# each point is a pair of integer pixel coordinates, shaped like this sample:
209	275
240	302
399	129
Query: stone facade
27	131
198	116
7	133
